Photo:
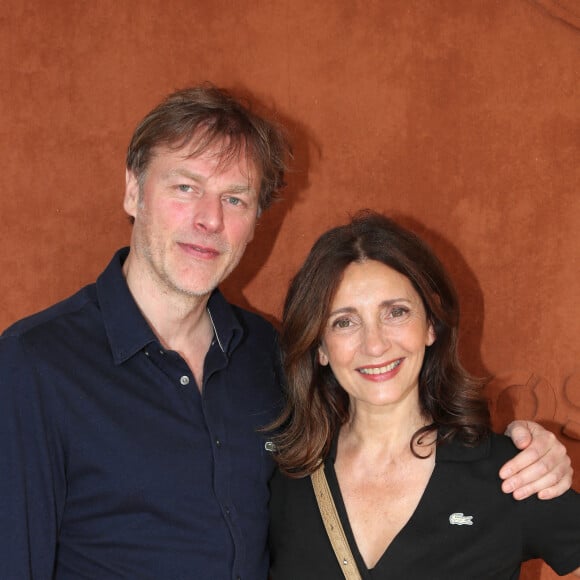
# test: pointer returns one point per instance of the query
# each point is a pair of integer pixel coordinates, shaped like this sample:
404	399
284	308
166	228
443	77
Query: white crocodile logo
458	519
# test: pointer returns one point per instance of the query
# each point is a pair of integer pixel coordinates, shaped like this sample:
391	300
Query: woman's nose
376	340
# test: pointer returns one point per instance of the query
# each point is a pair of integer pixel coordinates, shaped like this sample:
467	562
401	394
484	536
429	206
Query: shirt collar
127	329
226	324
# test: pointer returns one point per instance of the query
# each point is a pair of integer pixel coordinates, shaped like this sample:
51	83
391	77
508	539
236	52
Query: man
130	412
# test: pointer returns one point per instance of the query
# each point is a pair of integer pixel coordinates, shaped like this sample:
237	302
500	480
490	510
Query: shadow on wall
566	10
468	289
269	224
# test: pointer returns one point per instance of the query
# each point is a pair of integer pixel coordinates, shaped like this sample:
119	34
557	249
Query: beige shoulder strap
333	526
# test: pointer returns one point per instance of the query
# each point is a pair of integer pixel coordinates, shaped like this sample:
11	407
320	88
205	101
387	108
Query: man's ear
132	193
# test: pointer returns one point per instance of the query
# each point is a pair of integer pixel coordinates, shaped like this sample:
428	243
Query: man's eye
184	187
234	200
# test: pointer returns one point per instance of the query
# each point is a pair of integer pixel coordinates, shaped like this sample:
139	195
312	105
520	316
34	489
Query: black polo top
463	528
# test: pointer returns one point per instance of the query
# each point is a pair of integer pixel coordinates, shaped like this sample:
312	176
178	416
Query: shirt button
184	380
218	443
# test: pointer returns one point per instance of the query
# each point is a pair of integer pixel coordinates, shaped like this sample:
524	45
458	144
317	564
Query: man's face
193	219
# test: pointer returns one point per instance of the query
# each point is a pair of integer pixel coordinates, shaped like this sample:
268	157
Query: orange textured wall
462	118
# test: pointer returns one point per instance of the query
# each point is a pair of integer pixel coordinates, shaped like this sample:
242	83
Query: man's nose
209	213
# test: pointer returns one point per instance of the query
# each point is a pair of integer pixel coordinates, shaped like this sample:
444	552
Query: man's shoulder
49	319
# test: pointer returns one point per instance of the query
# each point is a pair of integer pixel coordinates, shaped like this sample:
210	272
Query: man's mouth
195	249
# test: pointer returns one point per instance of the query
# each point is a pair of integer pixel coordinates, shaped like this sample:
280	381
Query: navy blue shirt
113	465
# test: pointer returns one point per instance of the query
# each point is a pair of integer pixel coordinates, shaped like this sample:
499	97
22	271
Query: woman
376	391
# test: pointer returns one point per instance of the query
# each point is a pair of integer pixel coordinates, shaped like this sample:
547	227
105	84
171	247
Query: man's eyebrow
185	173
237	188
240	189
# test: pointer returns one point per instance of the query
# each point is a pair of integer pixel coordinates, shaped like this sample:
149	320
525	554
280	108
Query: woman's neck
384	433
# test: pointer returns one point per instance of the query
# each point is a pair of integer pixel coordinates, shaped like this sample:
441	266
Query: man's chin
197	292
197	288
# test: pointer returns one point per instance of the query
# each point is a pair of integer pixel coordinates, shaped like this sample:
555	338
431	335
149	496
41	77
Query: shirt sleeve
552	531
31	491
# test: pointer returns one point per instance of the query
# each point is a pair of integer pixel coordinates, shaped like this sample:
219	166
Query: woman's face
376	334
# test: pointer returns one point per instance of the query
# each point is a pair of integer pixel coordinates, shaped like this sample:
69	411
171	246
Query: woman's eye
341	323
398	312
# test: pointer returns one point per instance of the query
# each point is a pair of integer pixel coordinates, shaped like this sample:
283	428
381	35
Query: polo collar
454	450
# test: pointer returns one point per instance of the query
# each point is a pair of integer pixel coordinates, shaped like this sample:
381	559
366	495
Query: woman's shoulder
492	448
283	486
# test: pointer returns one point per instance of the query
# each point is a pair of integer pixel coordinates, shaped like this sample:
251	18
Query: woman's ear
322	356
431	336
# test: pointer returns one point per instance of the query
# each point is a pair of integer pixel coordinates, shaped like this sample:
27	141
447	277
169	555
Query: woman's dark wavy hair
316	404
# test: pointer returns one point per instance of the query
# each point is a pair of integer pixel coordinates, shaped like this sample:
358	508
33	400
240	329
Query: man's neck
177	319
